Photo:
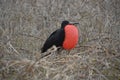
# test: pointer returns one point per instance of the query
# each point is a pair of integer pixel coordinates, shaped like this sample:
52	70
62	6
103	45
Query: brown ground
25	25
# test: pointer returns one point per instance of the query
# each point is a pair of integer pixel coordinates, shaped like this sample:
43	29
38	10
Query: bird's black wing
56	38
52	34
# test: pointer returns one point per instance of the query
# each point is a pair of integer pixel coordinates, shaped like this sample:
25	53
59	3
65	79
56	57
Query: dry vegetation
25	25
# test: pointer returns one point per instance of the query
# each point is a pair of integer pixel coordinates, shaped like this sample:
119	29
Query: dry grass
25	25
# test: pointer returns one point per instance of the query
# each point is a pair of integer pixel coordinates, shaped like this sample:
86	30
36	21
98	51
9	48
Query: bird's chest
71	37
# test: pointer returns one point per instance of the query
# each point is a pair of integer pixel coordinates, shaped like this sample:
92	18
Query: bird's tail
42	50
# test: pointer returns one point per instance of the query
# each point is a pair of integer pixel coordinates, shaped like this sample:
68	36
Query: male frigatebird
65	37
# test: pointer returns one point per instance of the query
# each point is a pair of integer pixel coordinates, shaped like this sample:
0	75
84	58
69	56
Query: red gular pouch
71	37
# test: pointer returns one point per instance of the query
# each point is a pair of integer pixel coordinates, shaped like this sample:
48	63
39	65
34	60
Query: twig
53	49
11	46
84	46
99	73
28	35
95	69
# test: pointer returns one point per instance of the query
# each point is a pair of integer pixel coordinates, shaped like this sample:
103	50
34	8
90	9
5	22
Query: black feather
56	38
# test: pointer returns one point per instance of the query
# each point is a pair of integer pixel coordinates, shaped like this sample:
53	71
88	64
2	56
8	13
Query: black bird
65	37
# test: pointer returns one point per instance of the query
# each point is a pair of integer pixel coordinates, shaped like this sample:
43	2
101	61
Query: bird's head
64	23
